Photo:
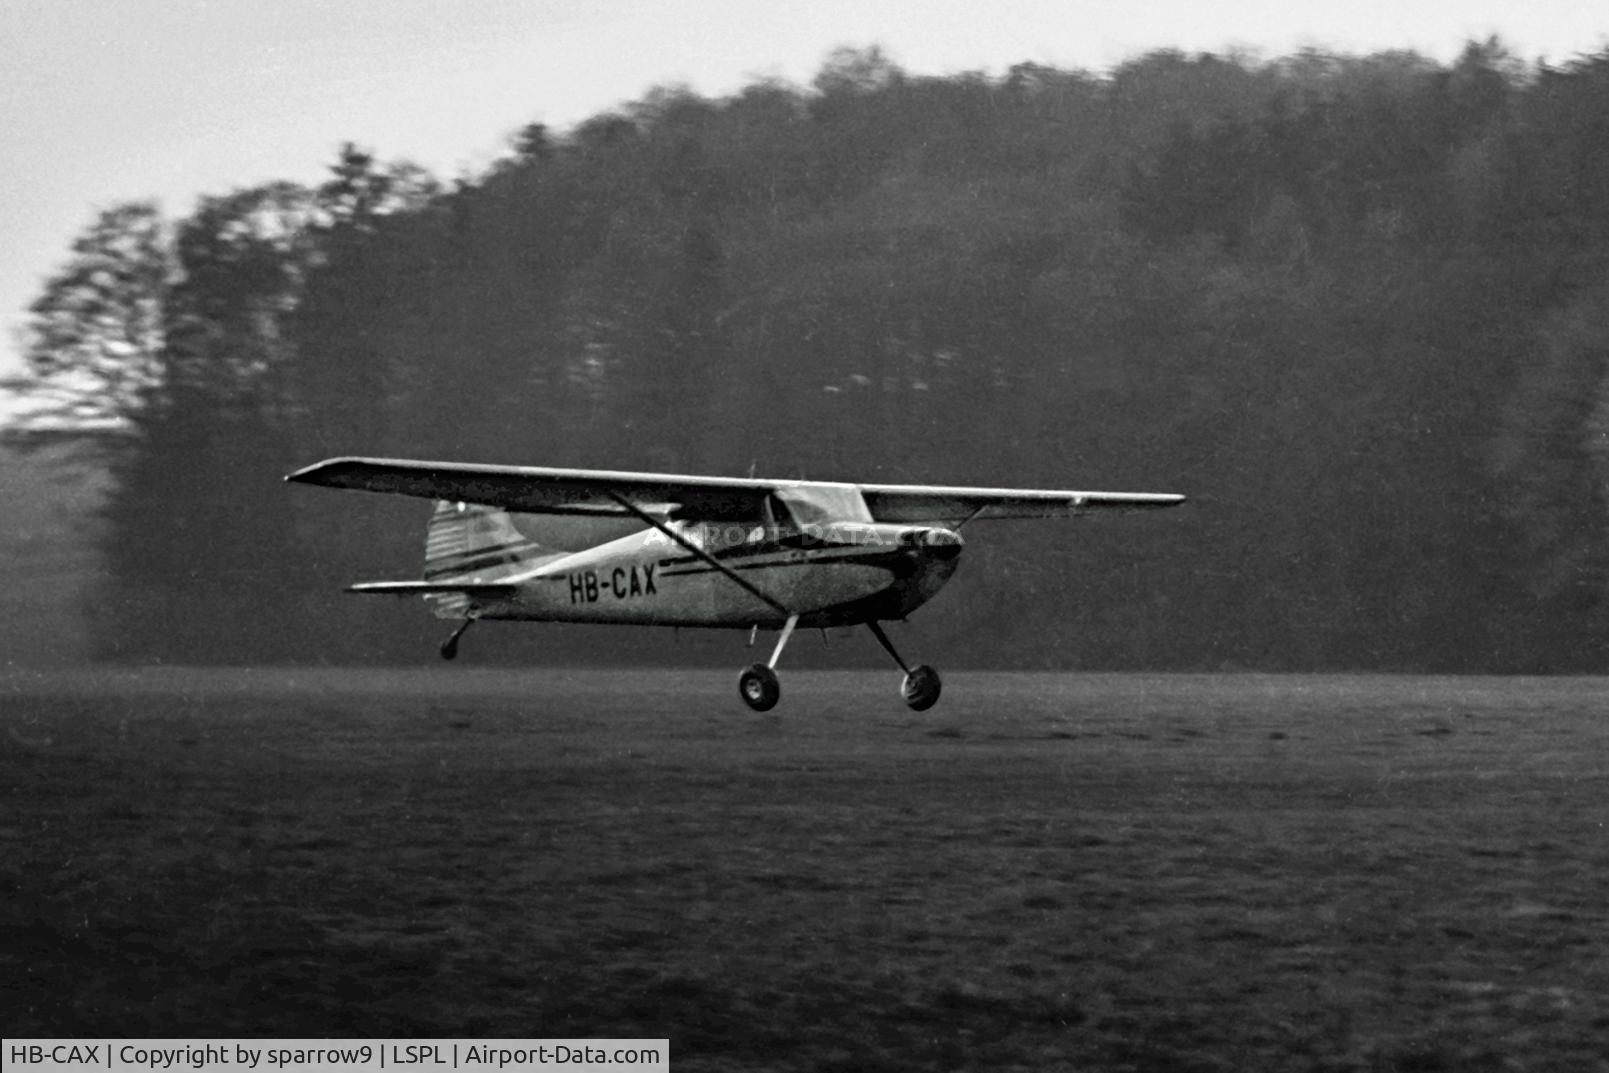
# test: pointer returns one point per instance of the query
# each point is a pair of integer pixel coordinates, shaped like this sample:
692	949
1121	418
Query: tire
759	688
921	688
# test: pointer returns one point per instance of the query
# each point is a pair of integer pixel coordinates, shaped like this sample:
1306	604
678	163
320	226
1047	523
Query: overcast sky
110	100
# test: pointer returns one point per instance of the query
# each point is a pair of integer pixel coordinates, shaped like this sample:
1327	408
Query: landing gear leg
921	686
758	685
449	647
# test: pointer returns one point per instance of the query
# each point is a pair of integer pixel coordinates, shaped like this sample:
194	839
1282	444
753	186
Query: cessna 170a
706	551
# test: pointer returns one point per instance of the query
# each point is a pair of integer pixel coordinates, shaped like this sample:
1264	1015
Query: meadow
1047	871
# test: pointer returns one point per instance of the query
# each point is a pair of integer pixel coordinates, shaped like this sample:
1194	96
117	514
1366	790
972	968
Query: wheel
921	688
759	688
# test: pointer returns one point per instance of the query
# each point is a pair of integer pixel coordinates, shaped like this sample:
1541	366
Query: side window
693	533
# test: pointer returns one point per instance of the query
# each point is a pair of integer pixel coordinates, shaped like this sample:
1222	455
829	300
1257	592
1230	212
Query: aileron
901	503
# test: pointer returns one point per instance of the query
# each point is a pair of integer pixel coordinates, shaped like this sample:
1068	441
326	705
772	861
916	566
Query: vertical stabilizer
469	540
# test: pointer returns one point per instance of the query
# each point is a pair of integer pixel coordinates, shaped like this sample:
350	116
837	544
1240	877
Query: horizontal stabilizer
487	590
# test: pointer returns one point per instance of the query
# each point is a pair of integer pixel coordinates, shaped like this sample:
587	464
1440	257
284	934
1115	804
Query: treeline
1356	307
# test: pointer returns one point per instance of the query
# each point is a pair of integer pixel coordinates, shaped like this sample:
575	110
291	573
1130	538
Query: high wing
543	490
934	503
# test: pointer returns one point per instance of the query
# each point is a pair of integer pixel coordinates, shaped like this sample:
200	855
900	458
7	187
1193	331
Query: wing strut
698	551
979	510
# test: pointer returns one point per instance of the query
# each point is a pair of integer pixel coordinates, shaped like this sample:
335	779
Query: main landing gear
758	685
921	686
760	690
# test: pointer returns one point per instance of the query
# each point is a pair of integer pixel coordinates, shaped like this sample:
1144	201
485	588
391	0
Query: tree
360	188
1349	303
95	339
188	533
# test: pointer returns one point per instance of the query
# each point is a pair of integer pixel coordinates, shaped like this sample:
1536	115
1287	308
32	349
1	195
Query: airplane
745	553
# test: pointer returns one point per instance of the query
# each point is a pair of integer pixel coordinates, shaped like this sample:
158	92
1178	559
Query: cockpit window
820	504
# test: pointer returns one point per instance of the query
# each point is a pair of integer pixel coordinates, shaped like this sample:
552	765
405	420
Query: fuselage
836	573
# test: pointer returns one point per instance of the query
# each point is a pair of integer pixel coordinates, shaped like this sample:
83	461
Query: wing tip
322	471
310	474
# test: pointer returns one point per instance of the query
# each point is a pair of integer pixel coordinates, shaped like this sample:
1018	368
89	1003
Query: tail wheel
921	688
449	647
759	688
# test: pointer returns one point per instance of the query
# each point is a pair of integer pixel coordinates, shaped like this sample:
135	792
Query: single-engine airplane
710	551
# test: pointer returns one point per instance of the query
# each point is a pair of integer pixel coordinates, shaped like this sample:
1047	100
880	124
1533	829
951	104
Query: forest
1355	306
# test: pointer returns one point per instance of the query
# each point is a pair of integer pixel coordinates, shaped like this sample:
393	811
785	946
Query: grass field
1089	872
